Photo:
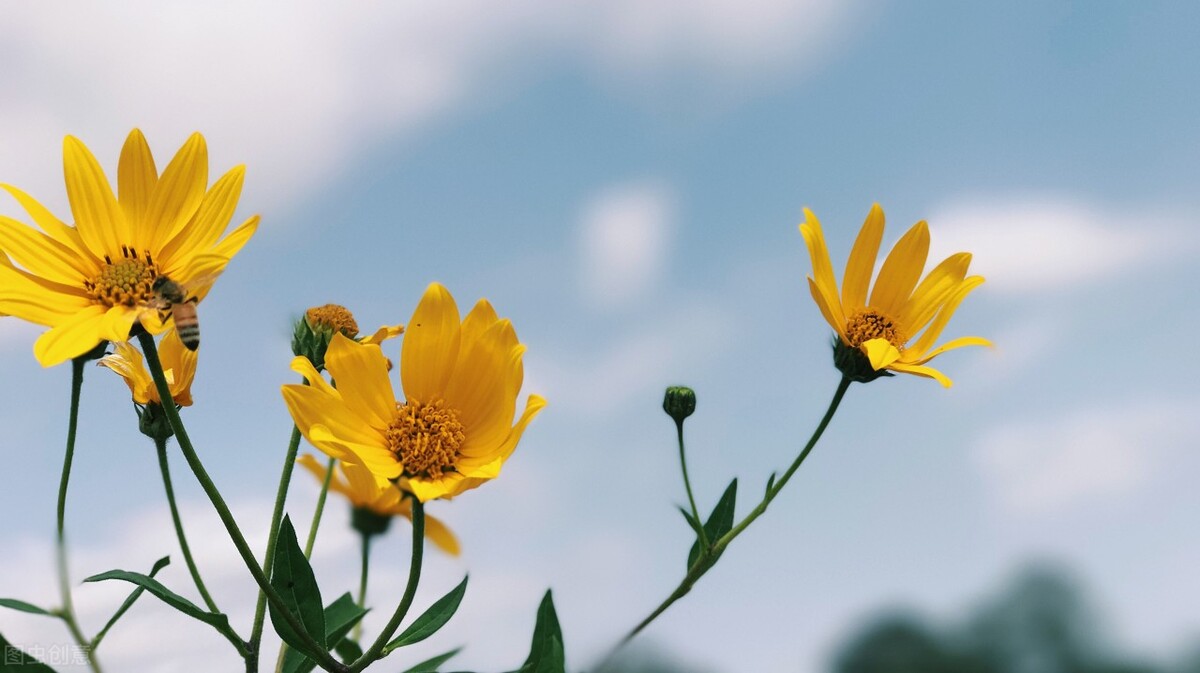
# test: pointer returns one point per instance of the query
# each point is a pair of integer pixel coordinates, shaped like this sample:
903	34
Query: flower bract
886	325
451	430
94	280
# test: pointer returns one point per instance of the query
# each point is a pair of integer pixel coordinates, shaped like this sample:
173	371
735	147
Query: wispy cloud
1043	466
1044	244
624	236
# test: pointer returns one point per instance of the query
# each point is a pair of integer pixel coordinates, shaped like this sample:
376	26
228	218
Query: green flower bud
679	402
369	523
152	421
314	331
854	364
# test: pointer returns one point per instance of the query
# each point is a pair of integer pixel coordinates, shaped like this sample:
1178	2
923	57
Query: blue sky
623	180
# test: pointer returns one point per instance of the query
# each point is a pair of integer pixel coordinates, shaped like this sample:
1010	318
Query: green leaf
292	578
719	522
348	650
770	482
430	665
133	596
546	652
167	596
431	620
691	520
24	607
340	616
17	661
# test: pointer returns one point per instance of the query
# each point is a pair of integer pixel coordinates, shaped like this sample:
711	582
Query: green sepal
129	600
719	522
292	578
434	618
431	665
17	661
25	607
854	364
546	651
167	596
368	522
340	616
153	422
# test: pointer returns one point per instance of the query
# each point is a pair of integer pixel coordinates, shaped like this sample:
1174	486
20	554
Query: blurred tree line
1041	622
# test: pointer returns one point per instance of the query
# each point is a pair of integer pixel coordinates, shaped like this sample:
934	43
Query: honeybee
171	297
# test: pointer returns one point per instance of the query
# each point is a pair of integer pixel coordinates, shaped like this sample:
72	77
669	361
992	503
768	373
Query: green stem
161	446
316	521
362	581
326	661
707	561
414	577
260	609
687	484
67	612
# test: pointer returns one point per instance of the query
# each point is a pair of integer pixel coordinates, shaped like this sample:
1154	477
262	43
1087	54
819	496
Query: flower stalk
161	446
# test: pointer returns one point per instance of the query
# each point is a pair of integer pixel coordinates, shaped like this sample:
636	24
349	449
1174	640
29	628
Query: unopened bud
368	522
315	330
679	402
152	421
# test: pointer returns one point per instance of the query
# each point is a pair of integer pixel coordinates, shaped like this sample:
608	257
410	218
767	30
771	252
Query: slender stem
687	483
414	577
362	581
67	612
316	521
285	478
161	446
323	658
707	561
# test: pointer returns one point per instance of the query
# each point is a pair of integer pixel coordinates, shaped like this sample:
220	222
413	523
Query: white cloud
1036	245
295	90
1092	455
624	234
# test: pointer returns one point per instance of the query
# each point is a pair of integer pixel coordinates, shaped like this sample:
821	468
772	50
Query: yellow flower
882	326
92	281
453	430
358	485
179	366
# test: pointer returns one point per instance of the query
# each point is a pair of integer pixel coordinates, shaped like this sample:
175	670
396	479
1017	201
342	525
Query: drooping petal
431	489
383	334
880	352
431	344
441	535
533	406
861	262
43	256
182	360
951	345
901	270
927	372
127	362
70	338
136	179
98	218
362	376
929	337
336	484
177	194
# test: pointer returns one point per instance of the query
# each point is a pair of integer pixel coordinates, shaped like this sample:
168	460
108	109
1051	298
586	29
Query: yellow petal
118	320
71	338
927	372
901	270
442	536
203	230
431	489
481	387
814	239
826	310
933	292
362	376
381	463
182	360
177	194
431	344
136	178
533	406
918	349
951	345
237	239
880	352
861	263
55	228
43	256
98	217
382	334
302	366
311	407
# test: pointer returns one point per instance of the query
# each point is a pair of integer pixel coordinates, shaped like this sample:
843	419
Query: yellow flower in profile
452	431
179	366
357	484
93	281
881	326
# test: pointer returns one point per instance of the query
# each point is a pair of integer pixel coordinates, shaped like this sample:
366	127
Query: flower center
128	281
426	438
334	316
869	323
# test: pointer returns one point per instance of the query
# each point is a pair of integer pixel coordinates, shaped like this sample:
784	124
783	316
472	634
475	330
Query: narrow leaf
348	649
133	596
17	661
167	596
24	607
770	482
340	616
431	620
292	578
719	522
430	665
691	520
546	651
